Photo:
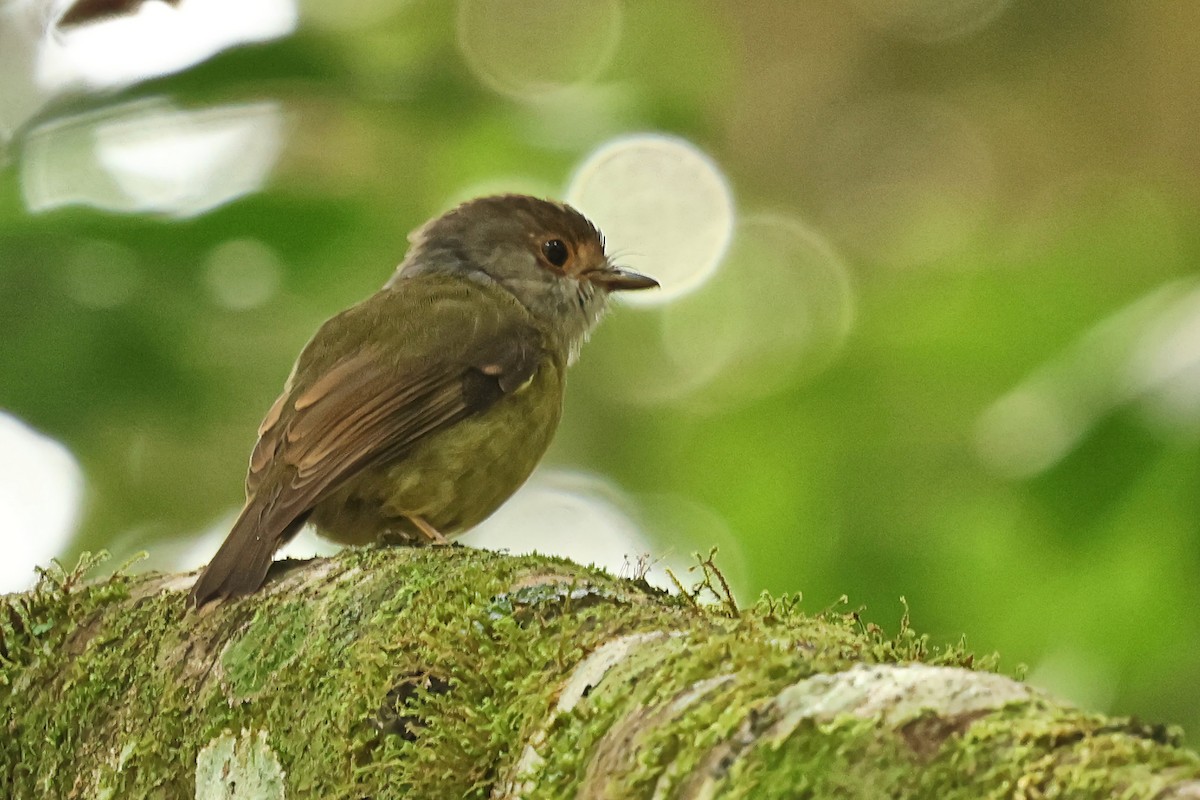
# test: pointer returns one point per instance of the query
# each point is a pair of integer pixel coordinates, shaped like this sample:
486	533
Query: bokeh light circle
664	206
150	156
931	20
242	274
598	515
777	312
534	48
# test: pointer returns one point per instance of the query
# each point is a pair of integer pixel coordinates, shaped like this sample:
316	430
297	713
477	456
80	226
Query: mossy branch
450	672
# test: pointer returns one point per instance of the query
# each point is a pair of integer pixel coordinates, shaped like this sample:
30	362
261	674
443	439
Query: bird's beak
619	279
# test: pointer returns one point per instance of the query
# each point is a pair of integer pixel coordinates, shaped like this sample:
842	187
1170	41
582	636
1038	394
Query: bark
447	673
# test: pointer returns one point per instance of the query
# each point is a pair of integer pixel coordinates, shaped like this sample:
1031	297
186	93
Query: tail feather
240	565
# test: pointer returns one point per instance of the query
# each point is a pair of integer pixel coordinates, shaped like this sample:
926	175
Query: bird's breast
457	477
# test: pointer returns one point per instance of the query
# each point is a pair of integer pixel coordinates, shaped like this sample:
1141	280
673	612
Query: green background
1007	199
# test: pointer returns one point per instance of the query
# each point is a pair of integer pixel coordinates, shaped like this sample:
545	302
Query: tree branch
450	672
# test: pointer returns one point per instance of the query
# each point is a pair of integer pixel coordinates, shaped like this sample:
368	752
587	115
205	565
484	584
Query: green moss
1027	750
37	622
90	697
426	673
269	644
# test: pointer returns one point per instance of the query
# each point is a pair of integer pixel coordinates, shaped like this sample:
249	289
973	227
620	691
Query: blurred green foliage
1062	190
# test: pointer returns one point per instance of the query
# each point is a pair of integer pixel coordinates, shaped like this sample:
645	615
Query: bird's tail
240	565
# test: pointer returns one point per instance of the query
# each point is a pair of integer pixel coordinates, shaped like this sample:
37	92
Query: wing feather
361	397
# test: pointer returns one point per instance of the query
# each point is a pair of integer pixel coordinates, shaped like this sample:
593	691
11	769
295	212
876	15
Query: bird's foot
431	534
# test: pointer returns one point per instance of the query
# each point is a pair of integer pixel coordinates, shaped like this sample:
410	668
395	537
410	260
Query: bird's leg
430	533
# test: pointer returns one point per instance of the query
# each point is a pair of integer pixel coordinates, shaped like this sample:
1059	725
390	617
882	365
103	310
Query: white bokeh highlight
563	513
193	552
41	496
150	156
157	39
535	49
41	61
22	30
570	514
665	209
1146	355
1164	367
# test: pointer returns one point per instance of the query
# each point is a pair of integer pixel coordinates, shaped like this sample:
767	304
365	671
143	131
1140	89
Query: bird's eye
555	252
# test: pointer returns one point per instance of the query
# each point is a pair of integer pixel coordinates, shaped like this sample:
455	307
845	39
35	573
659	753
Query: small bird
415	414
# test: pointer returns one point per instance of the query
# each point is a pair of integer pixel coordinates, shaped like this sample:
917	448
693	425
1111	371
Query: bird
413	415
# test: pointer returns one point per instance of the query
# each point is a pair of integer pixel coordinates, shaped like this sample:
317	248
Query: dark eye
555	252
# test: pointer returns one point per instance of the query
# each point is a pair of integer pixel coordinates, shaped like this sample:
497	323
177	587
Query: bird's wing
367	389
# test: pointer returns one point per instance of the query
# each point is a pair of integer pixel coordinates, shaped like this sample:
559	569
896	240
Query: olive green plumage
414	414
456	477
